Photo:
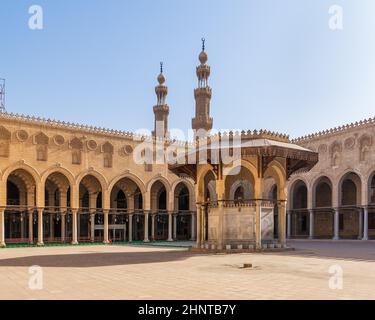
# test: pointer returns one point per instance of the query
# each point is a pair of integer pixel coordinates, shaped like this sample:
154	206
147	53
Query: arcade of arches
342	208
74	210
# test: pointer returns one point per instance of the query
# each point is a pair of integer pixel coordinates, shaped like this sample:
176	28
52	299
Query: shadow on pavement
81	260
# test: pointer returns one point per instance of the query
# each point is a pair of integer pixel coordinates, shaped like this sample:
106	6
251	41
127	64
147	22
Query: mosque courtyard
314	270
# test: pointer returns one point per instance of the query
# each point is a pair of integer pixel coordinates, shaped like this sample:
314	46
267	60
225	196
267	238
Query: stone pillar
51	225
336	225
78	225
74	226
365	224
40	227
153	217
311	224
146	228
63	225
130	227
289	224
106	226
31	226
360	224
92	226
282	223
63	212
258	227
192	226
2	228
175	226
170	218
22	226
199	226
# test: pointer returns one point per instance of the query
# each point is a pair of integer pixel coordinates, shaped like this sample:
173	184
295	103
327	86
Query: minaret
202	95
161	110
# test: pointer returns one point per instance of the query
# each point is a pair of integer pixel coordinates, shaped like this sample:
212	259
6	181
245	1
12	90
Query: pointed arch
130	176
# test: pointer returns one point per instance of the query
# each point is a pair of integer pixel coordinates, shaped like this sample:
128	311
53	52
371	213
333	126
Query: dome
161	78
203	57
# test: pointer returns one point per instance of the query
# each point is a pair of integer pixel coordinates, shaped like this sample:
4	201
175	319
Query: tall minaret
202	95
161	110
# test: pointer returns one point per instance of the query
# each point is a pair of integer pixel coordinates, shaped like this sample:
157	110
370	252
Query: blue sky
274	64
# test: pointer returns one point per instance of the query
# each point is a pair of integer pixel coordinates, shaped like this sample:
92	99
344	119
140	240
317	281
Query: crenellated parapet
52	123
336	130
252	135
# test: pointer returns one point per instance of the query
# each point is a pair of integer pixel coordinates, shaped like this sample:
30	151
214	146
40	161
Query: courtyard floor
143	272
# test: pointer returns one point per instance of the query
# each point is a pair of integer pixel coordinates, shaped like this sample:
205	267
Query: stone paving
142	272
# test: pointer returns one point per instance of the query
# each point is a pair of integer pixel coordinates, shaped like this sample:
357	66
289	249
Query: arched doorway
21	220
90	223
350	212
323	212
182	222
210	197
299	212
57	202
160	217
126	201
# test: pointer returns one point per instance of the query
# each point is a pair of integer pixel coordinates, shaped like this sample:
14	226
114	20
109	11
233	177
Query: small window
41	153
107	160
76	157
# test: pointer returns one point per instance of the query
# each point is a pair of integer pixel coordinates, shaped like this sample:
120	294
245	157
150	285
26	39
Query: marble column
192	226
146	228
63	226
130	227
22	226
92	226
199	226
106	226
40	227
74	226
170	218
311	224
31	226
365	224
2	227
153	217
289	224
175	226
51	225
258	228
336	224
360	224
282	224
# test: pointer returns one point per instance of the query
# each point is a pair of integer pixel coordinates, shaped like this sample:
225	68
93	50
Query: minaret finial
203	43
161	67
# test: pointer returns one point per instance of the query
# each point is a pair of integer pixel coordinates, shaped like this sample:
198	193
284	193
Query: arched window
183	199
121	200
348	193
76	157
323	195
239	194
300	196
